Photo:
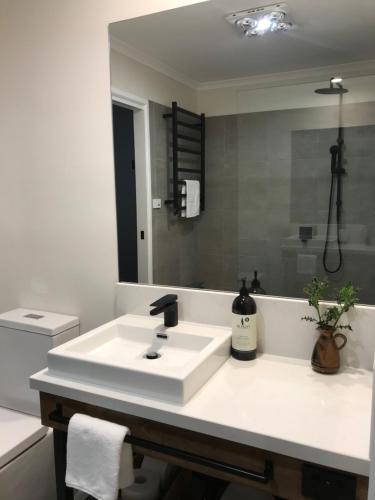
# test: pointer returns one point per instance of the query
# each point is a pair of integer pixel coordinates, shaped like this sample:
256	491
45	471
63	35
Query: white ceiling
198	42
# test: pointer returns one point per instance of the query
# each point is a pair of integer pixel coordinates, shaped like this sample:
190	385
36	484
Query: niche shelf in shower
188	153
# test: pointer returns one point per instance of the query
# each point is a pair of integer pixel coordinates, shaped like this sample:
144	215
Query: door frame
142	149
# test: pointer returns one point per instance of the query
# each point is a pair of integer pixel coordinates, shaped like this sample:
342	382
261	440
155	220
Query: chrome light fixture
260	20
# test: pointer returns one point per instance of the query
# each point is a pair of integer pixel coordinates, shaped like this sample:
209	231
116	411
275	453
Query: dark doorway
126	201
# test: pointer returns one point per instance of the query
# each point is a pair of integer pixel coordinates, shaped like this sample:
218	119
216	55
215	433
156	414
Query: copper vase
326	357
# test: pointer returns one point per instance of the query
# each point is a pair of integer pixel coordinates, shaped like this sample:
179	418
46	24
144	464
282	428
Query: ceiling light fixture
258	21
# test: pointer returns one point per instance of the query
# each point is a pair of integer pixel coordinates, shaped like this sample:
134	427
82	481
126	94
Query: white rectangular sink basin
115	355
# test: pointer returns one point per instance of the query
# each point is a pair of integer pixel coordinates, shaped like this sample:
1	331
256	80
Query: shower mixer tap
336	159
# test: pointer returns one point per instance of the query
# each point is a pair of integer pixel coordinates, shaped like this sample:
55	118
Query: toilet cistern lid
36	321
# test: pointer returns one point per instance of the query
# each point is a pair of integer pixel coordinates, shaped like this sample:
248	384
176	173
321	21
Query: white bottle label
244	332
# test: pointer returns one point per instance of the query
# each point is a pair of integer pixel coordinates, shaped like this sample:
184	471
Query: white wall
269	97
132	76
291	90
280	329
257	95
58	246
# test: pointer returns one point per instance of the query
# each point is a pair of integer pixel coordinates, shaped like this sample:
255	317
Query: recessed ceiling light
260	20
264	24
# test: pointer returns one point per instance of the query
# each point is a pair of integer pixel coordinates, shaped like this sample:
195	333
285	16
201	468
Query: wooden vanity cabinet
274	473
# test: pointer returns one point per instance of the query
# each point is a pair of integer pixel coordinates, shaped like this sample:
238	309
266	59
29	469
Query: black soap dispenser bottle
244	328
255	287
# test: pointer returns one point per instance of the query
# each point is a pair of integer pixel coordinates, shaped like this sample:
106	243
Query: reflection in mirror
266	160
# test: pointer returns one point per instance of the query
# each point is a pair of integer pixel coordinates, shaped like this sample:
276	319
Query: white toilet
26	447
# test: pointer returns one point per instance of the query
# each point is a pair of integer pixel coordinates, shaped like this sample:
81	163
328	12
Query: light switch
156	203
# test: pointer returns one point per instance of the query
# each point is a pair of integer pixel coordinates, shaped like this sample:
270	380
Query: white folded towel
99	463
191	203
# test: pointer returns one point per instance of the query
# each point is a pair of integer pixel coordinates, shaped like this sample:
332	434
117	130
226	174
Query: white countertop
274	403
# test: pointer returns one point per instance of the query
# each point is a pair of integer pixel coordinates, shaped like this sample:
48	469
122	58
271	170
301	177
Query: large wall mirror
244	140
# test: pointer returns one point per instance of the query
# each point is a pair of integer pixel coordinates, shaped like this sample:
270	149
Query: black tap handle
167	300
169	306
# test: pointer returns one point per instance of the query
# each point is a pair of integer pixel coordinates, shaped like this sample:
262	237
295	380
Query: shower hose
335	170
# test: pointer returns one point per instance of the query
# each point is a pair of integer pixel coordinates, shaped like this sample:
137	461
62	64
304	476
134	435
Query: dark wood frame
287	477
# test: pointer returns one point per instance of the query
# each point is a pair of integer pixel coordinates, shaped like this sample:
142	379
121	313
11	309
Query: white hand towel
99	463
192	205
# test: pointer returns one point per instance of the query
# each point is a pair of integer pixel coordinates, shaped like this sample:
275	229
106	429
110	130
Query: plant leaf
344	327
346	298
309	318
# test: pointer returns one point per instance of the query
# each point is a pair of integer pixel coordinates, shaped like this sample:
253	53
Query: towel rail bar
186	112
188	150
261	477
191	170
184	137
188	125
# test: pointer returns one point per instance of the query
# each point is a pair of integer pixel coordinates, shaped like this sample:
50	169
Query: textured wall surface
217	228
310	190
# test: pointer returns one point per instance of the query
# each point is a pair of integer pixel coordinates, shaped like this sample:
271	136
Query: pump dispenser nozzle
255	285
243	290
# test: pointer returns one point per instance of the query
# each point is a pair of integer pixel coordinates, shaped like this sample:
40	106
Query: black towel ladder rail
179	139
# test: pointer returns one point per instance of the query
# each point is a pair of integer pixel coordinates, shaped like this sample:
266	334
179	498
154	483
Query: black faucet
168	305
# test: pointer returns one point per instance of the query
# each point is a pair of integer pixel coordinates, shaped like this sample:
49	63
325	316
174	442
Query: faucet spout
169	306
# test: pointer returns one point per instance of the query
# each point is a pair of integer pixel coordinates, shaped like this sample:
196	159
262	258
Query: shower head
332	89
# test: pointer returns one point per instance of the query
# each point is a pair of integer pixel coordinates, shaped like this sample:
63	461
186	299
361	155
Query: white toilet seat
18	432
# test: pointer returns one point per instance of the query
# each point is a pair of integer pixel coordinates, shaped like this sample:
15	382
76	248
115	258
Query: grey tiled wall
311	166
217	229
203	250
174	240
266	174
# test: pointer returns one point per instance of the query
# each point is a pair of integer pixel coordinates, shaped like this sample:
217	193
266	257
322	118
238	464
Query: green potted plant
326	356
